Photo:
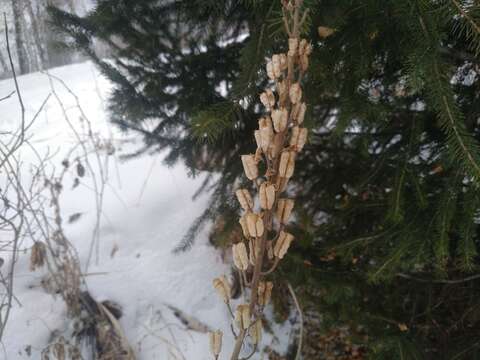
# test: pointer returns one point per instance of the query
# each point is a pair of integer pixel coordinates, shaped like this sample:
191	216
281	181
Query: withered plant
18	201
280	137
31	212
94	322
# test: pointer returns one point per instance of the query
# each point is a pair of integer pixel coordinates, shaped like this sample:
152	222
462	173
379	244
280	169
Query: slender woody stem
293	32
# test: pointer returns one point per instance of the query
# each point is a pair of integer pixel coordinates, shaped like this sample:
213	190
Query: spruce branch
251	59
462	147
456	129
475	26
467	250
211	123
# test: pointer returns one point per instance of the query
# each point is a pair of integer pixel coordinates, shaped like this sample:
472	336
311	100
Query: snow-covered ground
147	209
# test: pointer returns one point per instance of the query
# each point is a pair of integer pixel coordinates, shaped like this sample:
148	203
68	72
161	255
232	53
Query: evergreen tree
387	214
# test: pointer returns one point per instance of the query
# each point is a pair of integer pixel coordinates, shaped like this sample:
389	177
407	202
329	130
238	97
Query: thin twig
300	313
439	281
272	269
13	179
21	137
254	350
8	96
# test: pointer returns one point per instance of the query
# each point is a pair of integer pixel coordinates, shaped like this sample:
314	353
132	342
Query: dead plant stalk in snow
279	139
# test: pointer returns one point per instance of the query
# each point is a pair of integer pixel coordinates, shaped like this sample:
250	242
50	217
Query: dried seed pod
270	72
38	255
282	92
281	184
223	288
264	292
287	164
270	250
254	251
266	133
264	100
304	48
258	155
254	224
301	113
295	93
295	111
243	224
240	256
242	316
216	342
298	112
298	138
274	150
268	99
250	166
267	195
325	31
271	97
251	253
283	243
280	119
284	210
304	62
283	61
277	67
292	47
256	332
244	198
258	139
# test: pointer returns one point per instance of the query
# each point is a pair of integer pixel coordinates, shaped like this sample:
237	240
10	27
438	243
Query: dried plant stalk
280	137
37	255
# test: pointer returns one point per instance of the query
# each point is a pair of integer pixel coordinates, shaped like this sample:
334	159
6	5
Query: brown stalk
283	114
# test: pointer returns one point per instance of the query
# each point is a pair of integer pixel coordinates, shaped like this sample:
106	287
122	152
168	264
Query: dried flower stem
280	138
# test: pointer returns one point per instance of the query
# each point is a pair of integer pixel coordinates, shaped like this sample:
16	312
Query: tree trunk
28	41
21	53
5	67
36	35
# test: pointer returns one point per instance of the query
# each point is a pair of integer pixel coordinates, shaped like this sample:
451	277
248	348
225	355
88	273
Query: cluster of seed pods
279	138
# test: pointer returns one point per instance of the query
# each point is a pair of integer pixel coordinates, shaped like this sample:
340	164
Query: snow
146	211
